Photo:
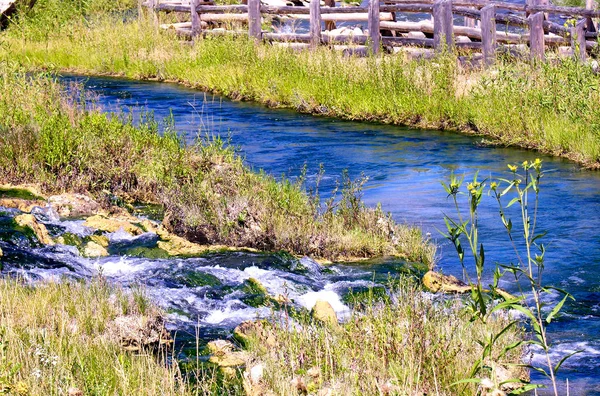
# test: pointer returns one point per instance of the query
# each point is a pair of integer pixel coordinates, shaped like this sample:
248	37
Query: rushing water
404	167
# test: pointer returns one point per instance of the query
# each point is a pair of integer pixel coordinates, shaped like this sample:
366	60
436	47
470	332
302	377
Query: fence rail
479	31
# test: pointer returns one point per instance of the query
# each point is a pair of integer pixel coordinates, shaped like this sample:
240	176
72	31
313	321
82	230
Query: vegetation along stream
404	167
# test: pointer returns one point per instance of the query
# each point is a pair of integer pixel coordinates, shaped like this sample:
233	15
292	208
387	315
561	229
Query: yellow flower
513	168
21	388
493	185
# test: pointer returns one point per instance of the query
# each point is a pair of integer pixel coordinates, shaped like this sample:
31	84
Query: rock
463	39
69	239
138	333
112	224
256	373
222	347
178	246
445	283
21	191
73	205
256	293
254	329
101	240
1	253
223	354
40	231
437	282
74	392
93	249
323	312
24	205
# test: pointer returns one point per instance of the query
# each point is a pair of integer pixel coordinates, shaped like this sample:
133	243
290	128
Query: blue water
405	167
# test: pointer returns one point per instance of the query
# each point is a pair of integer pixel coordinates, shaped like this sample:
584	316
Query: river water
404	167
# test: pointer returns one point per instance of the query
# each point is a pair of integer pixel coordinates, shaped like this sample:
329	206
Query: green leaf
557	367
467	381
512	201
526	388
556	309
538	236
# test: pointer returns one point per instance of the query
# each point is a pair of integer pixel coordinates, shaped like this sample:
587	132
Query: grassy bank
546	107
60	338
410	346
49	137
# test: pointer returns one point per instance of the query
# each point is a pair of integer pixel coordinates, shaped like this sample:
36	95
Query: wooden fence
537	21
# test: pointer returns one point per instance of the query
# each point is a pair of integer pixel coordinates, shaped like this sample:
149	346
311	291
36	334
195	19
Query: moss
360	297
256	294
72	239
19	193
198	279
145	252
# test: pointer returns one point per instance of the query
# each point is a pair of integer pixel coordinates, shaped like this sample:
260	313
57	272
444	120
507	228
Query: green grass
408	347
547	107
48	137
58	336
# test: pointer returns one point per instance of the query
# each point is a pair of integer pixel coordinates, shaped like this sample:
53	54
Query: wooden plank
578	40
254	19
196	28
536	36
488	34
315	23
443	35
374	33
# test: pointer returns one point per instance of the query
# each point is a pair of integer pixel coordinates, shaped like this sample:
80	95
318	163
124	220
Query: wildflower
513	168
21	388
37	373
493	186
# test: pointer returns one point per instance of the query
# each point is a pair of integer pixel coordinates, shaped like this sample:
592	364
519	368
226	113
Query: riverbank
209	196
546	107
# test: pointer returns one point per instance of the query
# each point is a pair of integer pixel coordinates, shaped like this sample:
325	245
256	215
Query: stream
404	166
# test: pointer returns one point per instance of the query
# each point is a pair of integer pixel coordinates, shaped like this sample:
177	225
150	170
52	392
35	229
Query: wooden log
222	8
315	23
443	34
568	11
196	29
488	34
287	37
345	39
330	25
578	40
536	35
469	3
359	17
254	20
417	8
407	41
374	33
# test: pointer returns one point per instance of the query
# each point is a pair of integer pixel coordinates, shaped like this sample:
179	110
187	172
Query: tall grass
49	137
546	107
407	344
57	337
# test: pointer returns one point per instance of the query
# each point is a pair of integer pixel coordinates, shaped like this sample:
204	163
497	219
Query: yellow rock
73	205
100	240
40	231
24	205
92	249
323	312
445	283
437	282
223	354
178	246
107	224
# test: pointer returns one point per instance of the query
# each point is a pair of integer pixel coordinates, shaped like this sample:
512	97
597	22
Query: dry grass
57	336
411	346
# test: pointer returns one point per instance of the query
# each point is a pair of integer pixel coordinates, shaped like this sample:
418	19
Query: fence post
443	26
488	34
374	33
196	27
254	28
591	25
315	23
578	40
153	4
536	35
